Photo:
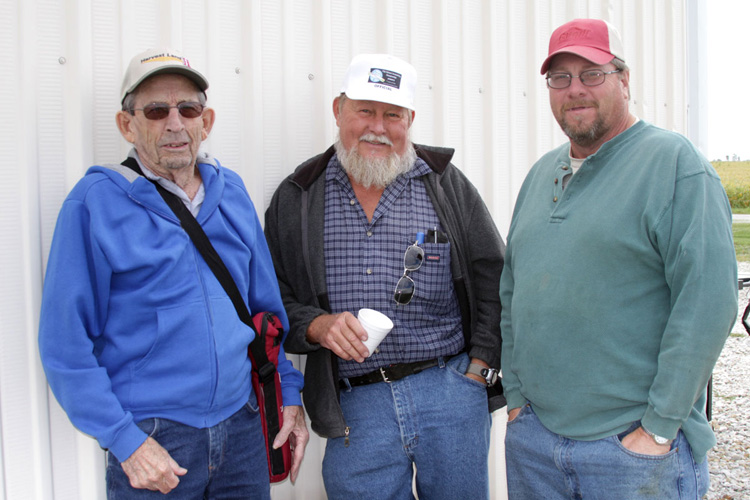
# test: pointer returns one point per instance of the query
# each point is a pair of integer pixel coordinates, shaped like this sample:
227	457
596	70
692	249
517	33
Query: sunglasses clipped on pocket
413	258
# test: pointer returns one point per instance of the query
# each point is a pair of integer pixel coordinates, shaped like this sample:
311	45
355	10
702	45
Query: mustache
580	104
370	137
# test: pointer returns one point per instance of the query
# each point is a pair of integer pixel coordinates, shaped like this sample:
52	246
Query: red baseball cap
593	39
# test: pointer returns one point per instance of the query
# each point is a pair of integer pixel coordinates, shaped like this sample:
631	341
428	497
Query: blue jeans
544	465
225	461
436	421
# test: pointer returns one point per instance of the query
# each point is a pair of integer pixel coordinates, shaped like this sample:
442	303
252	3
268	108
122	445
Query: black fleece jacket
294	229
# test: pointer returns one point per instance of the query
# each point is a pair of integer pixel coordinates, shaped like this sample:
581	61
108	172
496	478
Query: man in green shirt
618	292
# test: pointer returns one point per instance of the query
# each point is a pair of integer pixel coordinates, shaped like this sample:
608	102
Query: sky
728	79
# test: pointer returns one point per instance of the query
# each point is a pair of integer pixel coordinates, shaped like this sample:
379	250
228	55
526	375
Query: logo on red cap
574	34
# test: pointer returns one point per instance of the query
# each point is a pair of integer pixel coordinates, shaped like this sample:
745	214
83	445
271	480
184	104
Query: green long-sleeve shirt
619	291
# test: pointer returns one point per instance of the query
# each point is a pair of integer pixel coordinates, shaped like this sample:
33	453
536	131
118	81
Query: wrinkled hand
295	429
341	333
640	442
151	467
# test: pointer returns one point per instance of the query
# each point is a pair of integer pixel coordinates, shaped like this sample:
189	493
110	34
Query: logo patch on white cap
385	78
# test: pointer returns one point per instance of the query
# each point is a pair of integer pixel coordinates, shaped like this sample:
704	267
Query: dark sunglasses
160	110
413	258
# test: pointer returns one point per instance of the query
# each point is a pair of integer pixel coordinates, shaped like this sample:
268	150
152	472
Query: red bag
264	355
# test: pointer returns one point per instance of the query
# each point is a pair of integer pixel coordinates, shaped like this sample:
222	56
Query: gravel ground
729	461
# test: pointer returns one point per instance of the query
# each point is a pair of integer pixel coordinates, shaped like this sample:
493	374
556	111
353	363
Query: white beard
374	172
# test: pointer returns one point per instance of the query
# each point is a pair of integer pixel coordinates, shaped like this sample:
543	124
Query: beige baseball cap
382	78
155	62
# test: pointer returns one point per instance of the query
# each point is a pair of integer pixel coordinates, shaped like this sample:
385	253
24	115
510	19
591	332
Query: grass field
741	233
735	177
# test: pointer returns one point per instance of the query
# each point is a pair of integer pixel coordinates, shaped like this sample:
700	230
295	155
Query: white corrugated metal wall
274	67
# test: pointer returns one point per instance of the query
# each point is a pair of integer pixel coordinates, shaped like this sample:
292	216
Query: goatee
374	172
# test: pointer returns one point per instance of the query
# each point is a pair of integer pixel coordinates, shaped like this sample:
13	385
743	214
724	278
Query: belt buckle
383	374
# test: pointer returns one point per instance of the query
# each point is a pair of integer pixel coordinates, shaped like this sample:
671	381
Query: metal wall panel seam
495	133
271	75
18	45
474	110
251	105
696	74
421	43
327	86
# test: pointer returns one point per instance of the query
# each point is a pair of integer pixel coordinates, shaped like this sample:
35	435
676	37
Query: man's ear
125	125
626	84
208	117
336	110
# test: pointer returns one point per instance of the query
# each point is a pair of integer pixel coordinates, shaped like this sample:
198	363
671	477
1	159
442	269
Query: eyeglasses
160	110
590	78
413	258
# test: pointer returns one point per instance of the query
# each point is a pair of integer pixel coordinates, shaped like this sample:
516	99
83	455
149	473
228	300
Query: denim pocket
458	366
643	456
252	403
525	409
468	380
150	426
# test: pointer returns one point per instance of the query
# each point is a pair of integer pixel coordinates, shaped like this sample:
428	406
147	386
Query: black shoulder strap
207	250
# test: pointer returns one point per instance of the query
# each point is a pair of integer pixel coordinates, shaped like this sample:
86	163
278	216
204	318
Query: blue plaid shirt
364	260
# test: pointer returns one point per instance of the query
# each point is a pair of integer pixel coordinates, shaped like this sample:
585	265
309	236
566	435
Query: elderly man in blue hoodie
141	345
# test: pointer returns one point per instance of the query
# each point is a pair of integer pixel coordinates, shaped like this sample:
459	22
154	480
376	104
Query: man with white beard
378	222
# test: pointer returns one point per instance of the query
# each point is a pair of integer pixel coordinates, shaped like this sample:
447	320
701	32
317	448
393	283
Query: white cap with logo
381	78
158	61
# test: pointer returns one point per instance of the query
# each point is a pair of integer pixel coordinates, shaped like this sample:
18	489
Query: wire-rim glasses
413	258
590	78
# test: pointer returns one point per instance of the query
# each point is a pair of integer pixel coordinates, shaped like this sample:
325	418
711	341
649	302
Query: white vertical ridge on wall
223	58
340	40
422	43
450	78
675	69
366	25
51	189
496	133
24	438
327	86
474	105
401	36
387	26
299	76
695	73
78	102
250	103
10	136
660	58
519	81
274	68
646	98
272	83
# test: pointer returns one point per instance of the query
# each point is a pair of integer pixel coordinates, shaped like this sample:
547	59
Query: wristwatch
488	374
657	439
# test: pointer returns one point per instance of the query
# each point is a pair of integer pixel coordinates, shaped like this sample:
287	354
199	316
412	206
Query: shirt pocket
433	281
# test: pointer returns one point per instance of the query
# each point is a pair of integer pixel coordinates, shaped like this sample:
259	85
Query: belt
391	373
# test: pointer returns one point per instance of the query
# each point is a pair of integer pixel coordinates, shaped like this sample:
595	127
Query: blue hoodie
134	324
